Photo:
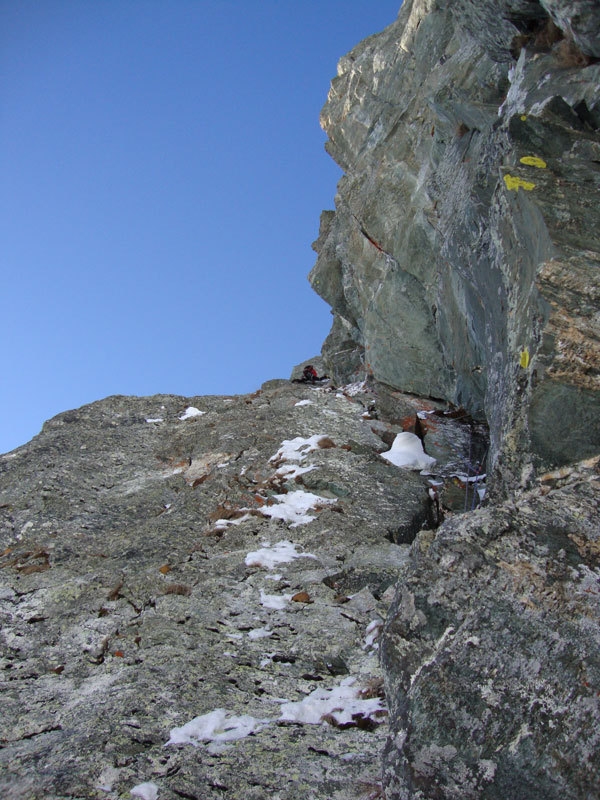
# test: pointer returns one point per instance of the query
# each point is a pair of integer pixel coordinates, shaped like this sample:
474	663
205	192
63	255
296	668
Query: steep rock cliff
193	590
461	261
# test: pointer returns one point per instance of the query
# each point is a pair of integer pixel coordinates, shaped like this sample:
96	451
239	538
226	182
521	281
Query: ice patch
293	507
407	451
191	412
468	478
216	727
145	791
269	556
343	705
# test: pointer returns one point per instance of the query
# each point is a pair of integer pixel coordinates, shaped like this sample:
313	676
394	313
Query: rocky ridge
239	596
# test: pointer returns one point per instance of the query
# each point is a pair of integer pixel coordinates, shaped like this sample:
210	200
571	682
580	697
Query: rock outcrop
230	559
462	260
247	597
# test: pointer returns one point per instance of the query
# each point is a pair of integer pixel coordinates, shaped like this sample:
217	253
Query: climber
309	374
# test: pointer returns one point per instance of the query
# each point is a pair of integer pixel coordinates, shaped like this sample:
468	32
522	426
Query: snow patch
407	451
304	403
277	602
223	524
191	412
145	791
154	419
290	471
297	449
343	704
269	556
372	634
353	389
216	727
260	633
293	507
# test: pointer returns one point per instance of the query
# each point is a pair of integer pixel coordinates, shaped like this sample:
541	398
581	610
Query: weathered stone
128	606
470	192
188	585
491	651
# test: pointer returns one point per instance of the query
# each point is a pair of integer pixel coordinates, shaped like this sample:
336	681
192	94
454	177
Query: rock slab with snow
147	577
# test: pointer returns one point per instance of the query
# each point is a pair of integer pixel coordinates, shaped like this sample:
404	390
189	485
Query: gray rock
129	607
464	241
491	651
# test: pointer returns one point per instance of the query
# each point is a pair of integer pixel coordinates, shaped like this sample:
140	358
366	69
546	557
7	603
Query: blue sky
163	173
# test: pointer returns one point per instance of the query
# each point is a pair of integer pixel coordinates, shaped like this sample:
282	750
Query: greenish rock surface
461	261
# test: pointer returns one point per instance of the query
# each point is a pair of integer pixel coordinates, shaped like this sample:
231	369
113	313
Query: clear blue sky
162	175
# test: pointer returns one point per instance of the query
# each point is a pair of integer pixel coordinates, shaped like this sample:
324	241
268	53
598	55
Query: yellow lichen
514	184
533	161
524	358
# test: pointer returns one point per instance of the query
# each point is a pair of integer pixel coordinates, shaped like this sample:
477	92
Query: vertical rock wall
461	261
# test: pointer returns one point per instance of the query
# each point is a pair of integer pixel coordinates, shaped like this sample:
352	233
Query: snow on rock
260	633
352	389
145	791
291	471
304	403
269	556
293	507
223	524
407	451
343	705
191	412
216	727
372	634
275	601
296	449
154	419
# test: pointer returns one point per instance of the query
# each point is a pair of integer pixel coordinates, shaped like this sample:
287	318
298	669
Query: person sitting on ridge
309	374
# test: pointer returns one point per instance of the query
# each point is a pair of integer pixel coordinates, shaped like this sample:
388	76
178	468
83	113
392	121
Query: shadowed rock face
462	258
492	651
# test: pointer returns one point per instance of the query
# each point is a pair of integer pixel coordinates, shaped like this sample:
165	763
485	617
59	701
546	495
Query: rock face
462	262
492	651
462	259
164	559
195	592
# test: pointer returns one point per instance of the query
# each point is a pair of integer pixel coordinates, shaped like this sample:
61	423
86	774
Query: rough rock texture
129	607
492	651
462	262
192	591
462	259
